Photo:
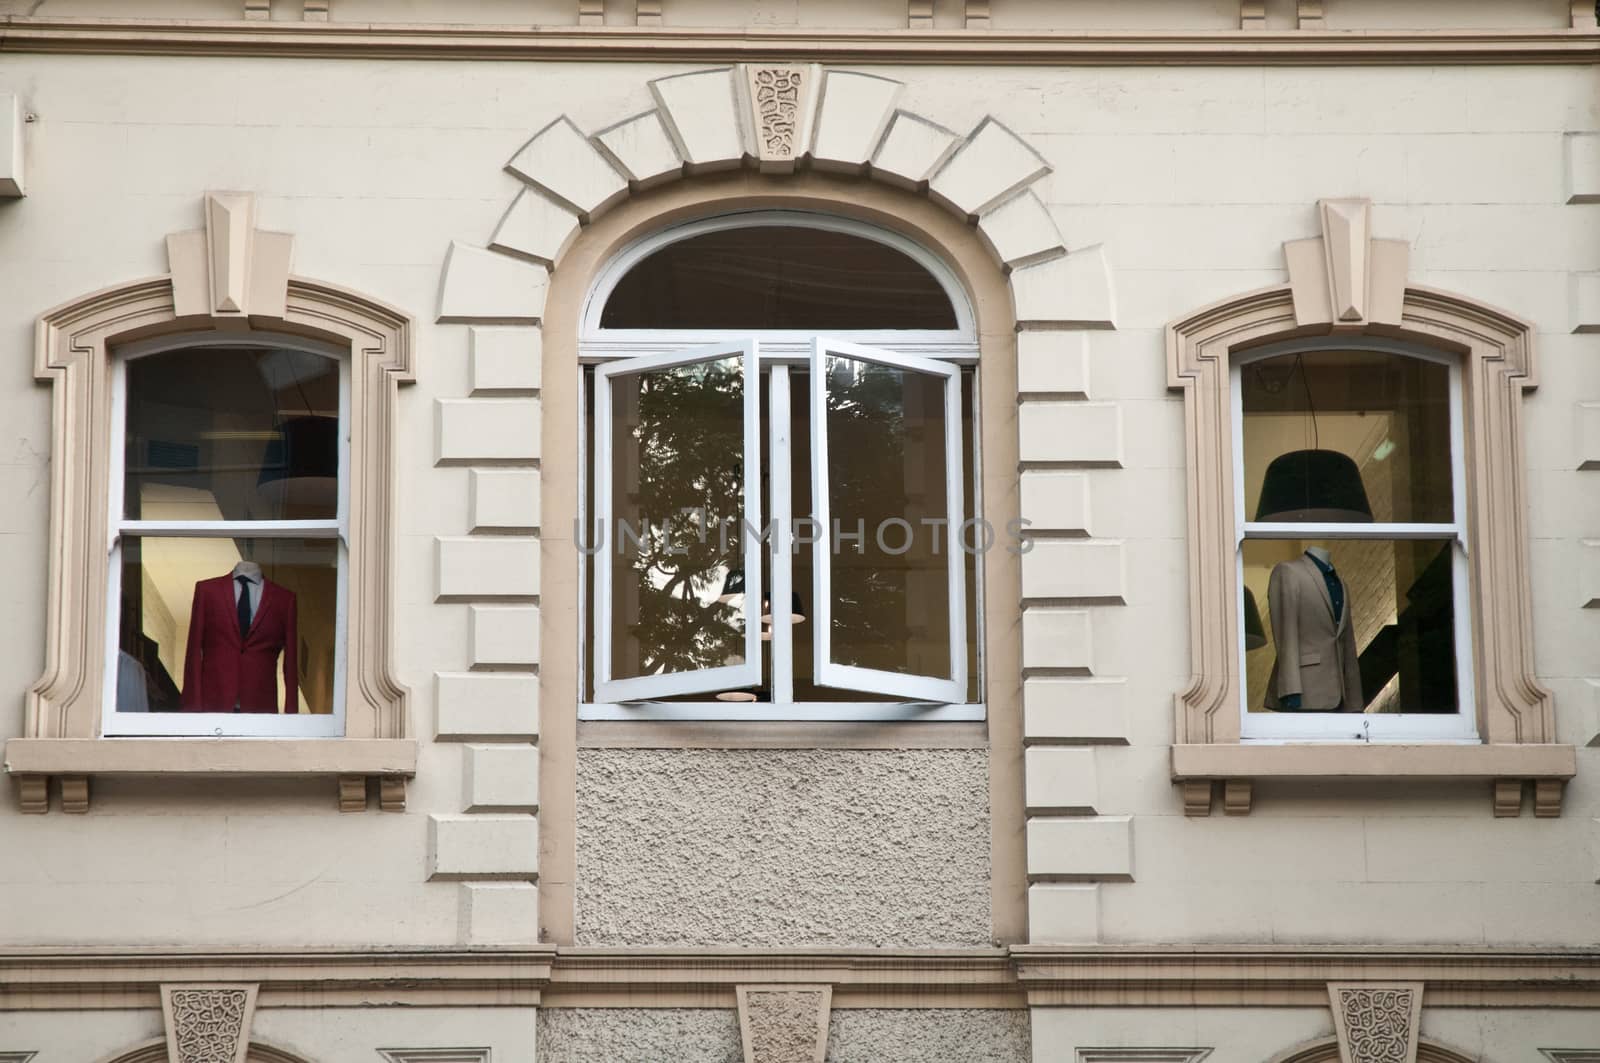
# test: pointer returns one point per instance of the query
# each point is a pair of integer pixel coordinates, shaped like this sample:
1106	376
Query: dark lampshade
797	612
1255	636
1313	485
301	465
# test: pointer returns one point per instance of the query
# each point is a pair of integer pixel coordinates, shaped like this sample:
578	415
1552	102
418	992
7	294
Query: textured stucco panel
868	1035
933	1035
639	1035
882	848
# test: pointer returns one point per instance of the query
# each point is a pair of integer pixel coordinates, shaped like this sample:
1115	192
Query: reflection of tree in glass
689	444
867	440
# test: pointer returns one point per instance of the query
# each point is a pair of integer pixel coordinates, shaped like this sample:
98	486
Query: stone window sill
352	761
1547	767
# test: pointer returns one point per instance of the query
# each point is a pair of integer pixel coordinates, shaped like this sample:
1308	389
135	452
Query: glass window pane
1347	436
887	498
1389	647
677	588
778	277
232	433
805	686
180	648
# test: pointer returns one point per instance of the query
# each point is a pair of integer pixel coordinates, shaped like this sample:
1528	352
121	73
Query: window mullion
779	549
953	466
601	529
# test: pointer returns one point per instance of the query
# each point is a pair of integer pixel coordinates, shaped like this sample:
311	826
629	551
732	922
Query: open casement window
781	453
229	466
677	512
903	412
1351	503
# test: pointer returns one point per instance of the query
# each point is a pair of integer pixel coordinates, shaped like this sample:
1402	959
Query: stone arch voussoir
776	119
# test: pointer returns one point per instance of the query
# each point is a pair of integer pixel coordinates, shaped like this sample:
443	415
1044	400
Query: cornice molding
23	33
73	979
708	977
1022	976
1299	976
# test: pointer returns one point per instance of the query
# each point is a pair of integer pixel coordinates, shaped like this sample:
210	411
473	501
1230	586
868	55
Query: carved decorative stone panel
208	1022
780	101
784	1023
1377	1022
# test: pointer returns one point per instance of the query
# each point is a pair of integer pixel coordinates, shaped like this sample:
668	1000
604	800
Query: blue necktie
244	607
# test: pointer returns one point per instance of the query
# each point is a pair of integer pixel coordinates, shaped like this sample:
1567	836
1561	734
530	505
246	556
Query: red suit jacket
223	673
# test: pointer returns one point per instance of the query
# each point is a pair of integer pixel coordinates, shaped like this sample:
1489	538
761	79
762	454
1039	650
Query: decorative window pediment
1350	289
227	280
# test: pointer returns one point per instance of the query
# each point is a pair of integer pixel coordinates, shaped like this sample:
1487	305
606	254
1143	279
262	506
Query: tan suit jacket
1317	658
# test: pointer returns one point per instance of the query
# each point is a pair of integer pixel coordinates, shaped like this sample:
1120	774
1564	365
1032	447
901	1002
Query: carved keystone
208	1022
1345	278
229	271
1376	1022
781	102
784	1023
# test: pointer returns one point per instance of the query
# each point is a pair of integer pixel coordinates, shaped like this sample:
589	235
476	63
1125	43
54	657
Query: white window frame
777	352
1274	727
222	724
605	530
877	681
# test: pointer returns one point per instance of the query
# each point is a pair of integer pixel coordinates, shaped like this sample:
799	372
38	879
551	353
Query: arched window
229	548
1351	500
781	411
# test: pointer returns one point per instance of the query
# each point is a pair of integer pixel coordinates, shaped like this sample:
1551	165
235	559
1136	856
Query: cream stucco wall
1190	179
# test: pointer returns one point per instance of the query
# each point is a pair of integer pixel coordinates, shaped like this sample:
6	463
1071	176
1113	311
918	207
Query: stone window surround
1347	283
231	276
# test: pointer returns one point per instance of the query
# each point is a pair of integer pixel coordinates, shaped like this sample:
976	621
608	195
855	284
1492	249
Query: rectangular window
861	478
1352	558
227	559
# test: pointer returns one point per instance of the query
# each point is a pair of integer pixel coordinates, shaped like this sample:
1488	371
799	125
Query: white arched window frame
1459	726
775	352
217	724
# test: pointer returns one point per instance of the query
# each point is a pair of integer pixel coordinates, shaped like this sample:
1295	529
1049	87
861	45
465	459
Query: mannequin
238	625
1318	667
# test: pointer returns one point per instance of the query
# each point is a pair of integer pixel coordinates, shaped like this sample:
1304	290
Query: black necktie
244	606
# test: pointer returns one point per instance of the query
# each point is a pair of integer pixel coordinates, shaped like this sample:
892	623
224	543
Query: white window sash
1269	727
703	680
223	724
827	673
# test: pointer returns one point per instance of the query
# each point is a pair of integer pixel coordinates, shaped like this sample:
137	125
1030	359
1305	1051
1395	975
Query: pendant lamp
301	465
1255	636
1313	485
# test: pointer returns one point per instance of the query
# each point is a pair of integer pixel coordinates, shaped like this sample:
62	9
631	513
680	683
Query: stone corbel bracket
784	1023
1376	1021
230	271
208	1022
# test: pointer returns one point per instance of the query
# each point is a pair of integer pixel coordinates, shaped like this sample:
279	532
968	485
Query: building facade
1168	424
